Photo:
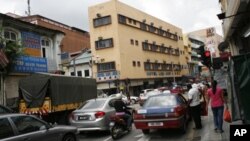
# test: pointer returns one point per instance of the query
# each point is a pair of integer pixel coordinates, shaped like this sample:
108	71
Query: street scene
128	70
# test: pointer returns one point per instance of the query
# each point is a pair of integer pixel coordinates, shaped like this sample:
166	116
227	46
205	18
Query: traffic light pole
211	67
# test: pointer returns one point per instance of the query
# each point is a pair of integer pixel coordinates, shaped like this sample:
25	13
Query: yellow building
133	50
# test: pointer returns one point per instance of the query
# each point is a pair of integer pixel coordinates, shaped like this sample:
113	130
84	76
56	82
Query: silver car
93	115
21	127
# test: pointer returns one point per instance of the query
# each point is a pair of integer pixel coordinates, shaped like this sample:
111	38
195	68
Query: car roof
11	115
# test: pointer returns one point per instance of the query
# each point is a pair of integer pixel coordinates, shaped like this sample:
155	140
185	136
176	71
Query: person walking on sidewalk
217	105
194	103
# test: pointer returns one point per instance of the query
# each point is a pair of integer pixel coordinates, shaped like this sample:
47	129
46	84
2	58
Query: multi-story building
41	48
75	39
210	40
135	50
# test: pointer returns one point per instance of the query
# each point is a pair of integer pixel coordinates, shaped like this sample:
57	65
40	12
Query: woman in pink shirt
217	104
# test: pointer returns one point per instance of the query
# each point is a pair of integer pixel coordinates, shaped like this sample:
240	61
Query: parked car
177	89
5	109
93	115
162	111
21	127
145	91
145	96
133	99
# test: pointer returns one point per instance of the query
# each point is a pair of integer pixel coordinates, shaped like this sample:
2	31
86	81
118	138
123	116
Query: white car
133	99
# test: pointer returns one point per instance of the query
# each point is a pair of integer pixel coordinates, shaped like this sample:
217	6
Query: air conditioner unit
148	60
100	38
160	27
152	23
146	41
144	20
154	42
98	15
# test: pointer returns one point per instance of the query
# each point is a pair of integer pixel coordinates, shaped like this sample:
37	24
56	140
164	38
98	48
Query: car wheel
133	101
145	131
69	137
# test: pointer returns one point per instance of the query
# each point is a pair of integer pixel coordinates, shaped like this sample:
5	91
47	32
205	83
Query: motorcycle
118	126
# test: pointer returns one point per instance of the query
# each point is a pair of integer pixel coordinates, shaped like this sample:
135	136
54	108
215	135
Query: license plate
111	124
83	117
155	124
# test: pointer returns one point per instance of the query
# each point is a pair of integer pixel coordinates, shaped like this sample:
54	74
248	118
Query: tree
12	50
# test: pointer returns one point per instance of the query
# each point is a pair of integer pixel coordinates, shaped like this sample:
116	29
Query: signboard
31	40
28	64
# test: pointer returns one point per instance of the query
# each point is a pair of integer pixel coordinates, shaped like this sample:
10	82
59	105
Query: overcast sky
190	15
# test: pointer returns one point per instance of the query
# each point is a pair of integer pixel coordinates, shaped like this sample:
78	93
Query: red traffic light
207	53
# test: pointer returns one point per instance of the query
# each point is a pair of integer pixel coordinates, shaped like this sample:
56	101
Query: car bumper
100	125
164	123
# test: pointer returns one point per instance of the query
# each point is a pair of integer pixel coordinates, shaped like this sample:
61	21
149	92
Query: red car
162	111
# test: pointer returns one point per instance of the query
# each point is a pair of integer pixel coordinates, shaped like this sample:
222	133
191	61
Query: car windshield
161	101
93	104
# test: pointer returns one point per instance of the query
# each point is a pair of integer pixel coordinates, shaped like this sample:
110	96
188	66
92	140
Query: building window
134	63
79	73
102	21
145	46
46	50
154	47
138	63
10	35
163	49
86	72
130	21
104	43
147	66
136	42
134	21
151	28
143	26
131	41
122	19
160	32
106	66
72	73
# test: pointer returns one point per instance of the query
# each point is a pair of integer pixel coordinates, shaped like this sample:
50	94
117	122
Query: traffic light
206	59
205	56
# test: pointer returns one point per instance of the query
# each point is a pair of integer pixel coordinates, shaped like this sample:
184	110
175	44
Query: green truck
53	96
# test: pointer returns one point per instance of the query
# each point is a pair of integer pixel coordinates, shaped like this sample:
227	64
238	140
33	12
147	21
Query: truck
53	97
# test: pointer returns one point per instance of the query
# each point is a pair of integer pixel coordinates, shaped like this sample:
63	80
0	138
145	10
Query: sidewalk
207	133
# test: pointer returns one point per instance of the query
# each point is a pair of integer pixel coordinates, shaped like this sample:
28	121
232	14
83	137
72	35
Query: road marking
138	136
107	139
144	138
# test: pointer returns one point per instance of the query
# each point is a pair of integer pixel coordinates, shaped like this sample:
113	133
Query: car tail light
178	110
138	116
72	116
99	114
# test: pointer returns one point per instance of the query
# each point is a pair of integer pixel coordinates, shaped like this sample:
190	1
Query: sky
189	15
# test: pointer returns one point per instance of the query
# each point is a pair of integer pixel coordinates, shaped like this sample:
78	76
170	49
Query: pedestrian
215	93
194	103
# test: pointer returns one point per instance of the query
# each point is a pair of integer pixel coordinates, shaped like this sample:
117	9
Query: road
137	135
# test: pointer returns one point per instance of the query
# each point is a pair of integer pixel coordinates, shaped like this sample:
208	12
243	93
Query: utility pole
28	12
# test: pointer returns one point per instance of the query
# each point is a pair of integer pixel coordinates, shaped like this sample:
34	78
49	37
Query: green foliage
12	49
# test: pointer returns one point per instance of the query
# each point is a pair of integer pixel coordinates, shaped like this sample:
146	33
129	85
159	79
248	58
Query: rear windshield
93	104
161	101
